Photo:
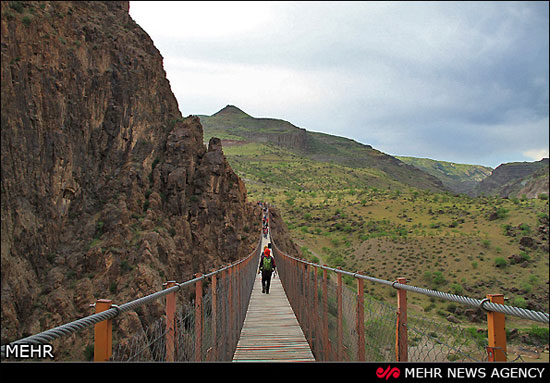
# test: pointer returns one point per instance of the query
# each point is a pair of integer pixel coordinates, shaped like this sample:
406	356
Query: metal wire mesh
437	341
380	323
328	310
147	345
221	318
208	325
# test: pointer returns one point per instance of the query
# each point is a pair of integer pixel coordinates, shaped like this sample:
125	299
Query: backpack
267	264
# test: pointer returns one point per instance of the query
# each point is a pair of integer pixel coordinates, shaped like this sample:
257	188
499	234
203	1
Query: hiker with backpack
267	267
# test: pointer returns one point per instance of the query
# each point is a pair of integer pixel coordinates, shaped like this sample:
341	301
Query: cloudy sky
465	82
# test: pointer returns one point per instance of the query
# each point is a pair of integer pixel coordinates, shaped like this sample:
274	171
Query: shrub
524	257
456	288
89	352
519	302
501	213
98	229
17	6
451	307
525	229
438	278
155	163
500	262
527	287
125	266
337	261
430	307
26	20
479	337
10	16
539	334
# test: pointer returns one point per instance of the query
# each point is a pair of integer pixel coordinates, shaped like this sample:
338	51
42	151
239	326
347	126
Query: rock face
280	235
107	192
515	179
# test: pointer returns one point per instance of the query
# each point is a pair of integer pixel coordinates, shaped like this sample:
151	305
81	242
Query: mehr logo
388	372
29	351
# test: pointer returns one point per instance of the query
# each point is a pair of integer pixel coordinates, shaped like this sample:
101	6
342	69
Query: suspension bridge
308	316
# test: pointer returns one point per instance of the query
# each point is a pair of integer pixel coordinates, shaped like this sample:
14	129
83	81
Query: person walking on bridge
267	267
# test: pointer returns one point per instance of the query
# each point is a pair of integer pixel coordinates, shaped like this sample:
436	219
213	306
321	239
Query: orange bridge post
360	320
401	337
496	331
198	319
340	355
103	333
170	323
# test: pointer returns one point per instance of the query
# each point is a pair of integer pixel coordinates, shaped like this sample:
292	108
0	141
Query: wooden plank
271	332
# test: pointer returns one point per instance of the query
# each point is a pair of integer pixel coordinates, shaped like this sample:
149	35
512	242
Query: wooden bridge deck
271	332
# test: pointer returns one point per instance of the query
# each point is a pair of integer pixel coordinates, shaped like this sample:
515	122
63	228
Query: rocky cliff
280	234
107	191
515	179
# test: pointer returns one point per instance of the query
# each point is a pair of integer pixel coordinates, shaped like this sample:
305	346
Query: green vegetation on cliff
460	178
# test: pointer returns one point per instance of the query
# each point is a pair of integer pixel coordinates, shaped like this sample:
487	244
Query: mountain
343	209
107	192
515	179
460	178
238	128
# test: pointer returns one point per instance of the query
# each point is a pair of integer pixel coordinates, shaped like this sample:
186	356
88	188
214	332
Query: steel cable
79	324
519	312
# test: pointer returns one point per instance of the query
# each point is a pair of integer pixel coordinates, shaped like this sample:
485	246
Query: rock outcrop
515	179
264	130
107	191
234	123
280	234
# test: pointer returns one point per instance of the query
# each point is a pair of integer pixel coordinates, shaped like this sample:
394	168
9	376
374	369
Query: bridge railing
204	328
342	324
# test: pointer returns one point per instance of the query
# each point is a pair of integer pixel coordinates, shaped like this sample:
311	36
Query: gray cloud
458	81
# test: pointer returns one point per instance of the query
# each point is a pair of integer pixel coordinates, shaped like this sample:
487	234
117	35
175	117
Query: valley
361	219
109	192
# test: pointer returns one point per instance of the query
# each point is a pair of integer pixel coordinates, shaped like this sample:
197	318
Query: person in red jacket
267	267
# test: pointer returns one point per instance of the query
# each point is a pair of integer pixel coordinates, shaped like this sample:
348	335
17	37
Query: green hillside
234	125
460	178
343	212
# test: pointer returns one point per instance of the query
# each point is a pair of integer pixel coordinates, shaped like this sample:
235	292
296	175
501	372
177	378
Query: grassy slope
360	219
437	241
460	178
349	218
233	124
